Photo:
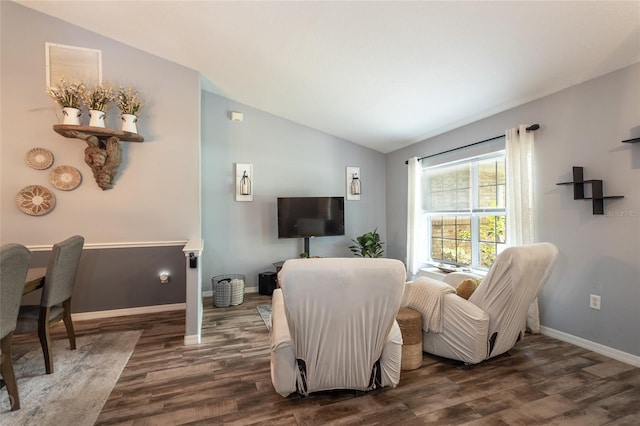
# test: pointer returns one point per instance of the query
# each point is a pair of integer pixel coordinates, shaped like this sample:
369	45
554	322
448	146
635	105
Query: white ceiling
381	74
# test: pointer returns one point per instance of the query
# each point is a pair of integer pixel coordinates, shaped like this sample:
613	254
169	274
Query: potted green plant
69	97
368	245
97	100
130	103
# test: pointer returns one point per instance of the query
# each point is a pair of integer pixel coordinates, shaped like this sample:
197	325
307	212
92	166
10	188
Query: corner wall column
192	252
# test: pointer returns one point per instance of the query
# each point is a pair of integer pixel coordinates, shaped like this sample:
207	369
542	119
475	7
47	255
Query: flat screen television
305	217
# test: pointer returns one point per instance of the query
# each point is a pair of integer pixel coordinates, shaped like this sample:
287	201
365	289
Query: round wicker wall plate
35	200
39	158
65	178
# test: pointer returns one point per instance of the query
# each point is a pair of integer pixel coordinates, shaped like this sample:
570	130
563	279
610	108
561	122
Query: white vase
71	116
129	123
96	118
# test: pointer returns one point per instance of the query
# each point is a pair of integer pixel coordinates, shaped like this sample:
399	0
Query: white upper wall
403	71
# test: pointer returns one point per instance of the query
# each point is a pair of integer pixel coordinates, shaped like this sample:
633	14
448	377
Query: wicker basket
228	290
410	323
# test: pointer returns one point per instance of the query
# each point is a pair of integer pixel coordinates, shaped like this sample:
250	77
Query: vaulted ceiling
382	74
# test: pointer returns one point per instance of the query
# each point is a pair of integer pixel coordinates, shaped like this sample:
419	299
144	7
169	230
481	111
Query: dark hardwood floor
226	380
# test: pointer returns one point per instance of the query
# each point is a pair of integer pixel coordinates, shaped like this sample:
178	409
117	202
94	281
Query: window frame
474	212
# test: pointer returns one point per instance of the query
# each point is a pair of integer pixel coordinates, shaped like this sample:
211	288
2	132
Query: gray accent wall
120	278
155	200
580	126
288	160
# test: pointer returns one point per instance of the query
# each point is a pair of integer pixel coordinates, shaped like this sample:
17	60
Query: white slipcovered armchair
494	318
333	325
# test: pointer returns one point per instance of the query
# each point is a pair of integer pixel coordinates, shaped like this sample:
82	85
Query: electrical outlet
594	302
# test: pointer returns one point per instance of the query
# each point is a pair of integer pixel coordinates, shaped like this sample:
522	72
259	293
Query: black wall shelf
597	195
636	140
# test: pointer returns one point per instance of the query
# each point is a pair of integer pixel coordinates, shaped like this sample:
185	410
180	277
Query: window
464	205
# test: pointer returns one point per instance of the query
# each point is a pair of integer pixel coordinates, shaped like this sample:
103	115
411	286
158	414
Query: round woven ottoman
410	322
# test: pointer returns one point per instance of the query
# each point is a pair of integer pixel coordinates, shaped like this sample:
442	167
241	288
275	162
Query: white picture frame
73	63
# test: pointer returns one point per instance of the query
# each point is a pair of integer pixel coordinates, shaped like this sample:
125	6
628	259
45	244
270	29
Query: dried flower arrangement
129	101
98	97
67	94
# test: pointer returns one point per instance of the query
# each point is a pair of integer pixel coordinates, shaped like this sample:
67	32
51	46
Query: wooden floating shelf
597	196
72	131
103	153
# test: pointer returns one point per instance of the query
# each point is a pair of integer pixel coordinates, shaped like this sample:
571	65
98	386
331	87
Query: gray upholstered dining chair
55	303
14	264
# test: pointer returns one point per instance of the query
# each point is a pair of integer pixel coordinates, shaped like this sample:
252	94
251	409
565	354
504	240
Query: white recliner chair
333	325
494	318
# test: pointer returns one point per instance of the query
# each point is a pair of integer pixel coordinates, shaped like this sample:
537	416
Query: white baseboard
209	293
128	311
188	340
192	340
592	346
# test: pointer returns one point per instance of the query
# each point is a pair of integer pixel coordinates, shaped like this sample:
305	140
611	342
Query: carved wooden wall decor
103	153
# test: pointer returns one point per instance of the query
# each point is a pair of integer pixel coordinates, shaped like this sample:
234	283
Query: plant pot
129	123
96	118
71	116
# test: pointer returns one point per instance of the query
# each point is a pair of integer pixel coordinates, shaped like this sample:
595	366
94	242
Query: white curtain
520	179
520	200
414	217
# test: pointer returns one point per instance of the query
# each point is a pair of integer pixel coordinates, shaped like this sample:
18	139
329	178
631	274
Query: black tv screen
303	217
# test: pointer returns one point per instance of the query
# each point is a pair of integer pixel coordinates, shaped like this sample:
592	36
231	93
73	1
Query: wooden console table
103	153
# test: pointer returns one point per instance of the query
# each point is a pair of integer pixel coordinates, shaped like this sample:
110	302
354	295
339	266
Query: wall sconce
354	187
355	184
164	277
244	182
